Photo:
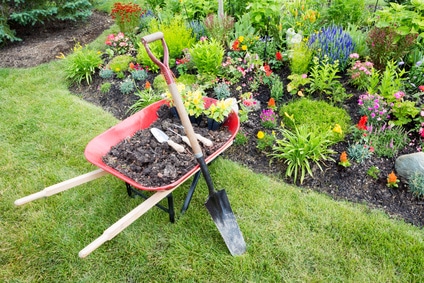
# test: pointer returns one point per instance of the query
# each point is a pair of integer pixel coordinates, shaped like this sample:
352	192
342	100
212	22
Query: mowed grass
292	235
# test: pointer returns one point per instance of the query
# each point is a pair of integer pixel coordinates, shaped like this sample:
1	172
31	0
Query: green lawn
292	234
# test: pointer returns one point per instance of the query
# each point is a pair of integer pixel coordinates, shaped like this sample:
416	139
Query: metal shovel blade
219	208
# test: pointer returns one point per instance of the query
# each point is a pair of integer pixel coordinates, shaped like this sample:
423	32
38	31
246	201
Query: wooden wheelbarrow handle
63	186
125	221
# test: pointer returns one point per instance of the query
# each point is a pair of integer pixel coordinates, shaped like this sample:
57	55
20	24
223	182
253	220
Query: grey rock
408	164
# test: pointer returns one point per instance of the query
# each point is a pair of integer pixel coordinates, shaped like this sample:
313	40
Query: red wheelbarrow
217	202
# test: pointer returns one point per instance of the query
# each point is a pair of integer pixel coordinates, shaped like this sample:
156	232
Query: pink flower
421	87
354	56
399	94
304	76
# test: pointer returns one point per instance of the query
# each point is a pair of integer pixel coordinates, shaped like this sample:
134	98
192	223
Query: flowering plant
193	102
344	161
360	72
392	180
220	110
127	16
268	118
265	140
374	107
118	44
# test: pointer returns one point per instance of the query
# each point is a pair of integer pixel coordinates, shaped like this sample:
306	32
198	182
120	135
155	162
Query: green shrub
144	59
81	64
316	114
106	73
358	152
277	88
416	184
139	75
387	141
218	28
177	37
159	84
105	87
343	12
241	138
28	13
187	79
127	86
300	58
120	63
222	91
207	56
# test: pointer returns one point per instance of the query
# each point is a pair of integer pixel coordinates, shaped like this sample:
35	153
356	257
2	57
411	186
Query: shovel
217	203
162	137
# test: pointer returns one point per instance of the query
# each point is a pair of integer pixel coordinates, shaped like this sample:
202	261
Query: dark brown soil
43	44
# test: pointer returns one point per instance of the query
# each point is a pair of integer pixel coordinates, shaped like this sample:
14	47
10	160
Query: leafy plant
300	147
127	86
343	12
416	184
297	82
146	97
177	34
404	112
221	91
391	81
300	58
359	37
387	141
139	75
375	108
360	73
82	64
207	56
241	138
277	88
386	45
373	172
105	73
219	28
359	152
332	44
105	87
324	80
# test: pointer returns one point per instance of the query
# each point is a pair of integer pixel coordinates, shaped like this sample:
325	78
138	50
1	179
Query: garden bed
352	183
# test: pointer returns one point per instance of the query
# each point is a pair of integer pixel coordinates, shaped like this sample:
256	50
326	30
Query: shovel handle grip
205	141
186	140
179	148
153	37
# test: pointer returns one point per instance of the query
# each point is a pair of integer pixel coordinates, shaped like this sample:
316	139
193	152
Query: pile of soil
154	164
353	183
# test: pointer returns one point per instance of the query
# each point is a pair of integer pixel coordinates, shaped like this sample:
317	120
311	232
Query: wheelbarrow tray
101	145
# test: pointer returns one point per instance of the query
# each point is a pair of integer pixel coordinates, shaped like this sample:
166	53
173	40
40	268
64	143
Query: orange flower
344	161
392	180
343	156
147	85
132	66
271	102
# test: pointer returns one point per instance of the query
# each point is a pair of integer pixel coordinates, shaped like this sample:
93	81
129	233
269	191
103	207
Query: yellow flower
337	129
244	47
241	38
260	135
117	69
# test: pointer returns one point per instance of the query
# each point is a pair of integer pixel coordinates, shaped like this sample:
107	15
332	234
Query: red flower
421	87
362	125
235	45
278	56
267	70
271	102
